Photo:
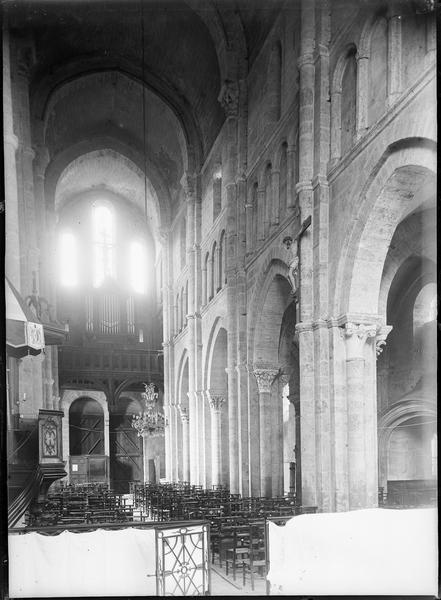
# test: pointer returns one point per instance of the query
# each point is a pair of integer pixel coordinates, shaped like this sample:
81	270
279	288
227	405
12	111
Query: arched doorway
392	228
183	419
289	364
406	369
126	453
218	401
88	462
276	371
406	379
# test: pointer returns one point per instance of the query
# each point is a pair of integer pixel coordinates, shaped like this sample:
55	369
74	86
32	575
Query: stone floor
221	585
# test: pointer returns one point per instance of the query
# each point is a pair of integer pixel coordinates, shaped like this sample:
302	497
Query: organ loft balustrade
81	361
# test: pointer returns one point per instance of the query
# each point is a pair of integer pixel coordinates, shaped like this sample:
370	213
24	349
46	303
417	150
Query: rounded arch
69	396
129	155
227	32
181	398
282	148
222	259
340	66
126	387
406	248
72	73
262	173
267	309
354	292
86	427
86	405
128	404
274	265
217	376
218	324
364	44
413	406
336	99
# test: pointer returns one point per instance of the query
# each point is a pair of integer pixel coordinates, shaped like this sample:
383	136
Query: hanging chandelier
151	421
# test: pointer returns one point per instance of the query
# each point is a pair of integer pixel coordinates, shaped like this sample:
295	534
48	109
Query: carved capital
229	98
265	377
185	418
283	378
216	400
356	335
380	340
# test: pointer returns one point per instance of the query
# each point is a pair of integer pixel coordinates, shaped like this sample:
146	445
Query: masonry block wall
367	113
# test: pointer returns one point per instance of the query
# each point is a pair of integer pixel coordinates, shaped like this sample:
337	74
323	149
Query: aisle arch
354	292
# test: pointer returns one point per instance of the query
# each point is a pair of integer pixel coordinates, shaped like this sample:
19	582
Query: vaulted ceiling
141	77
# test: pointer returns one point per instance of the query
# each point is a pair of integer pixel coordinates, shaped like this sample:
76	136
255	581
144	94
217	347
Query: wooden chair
255	562
240	548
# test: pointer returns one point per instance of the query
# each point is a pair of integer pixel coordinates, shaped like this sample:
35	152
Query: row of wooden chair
237	524
80	505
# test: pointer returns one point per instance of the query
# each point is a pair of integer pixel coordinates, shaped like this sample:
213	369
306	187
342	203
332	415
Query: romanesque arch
274	370
360	267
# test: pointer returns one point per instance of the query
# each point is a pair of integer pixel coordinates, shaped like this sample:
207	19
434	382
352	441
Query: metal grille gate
183	562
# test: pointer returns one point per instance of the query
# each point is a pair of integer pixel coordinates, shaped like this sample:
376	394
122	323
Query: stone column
335	125
189	184
185	444
362	94
167	442
216	403
243	428
193	445
29	260
12	254
265	377
147	455
200	401
106	431
48	380
308	490
216	270
233	440
260	215
394	71
206	446
275	204
249	226
360	496
278	438
175	445
306	148
290	176
204	284
45	228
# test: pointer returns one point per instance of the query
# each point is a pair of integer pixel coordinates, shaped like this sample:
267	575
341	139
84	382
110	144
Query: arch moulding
350	285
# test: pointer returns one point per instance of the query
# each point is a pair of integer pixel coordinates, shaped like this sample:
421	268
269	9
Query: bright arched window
68	259
138	267
103	244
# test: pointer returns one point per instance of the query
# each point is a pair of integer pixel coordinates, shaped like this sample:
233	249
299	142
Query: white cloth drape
96	563
364	552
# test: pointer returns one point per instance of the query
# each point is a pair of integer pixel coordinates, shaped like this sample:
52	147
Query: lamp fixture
151	421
